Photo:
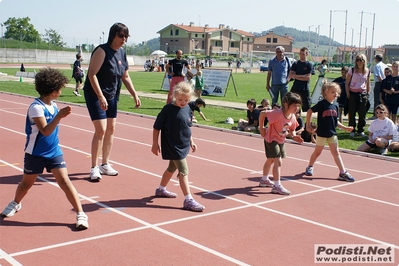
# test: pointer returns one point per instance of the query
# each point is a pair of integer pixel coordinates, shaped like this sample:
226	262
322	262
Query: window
196	35
268	40
230	34
176	32
232	44
274	40
220	34
171	32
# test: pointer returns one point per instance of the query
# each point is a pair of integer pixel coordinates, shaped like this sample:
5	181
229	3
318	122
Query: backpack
77	74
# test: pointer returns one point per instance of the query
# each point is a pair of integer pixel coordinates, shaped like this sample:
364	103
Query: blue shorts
96	113
35	164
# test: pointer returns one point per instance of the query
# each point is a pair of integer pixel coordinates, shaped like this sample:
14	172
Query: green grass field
247	86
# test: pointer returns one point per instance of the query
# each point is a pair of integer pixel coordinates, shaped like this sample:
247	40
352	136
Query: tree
21	29
52	37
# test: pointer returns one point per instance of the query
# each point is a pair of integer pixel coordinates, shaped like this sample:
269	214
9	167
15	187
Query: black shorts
371	145
95	111
35	164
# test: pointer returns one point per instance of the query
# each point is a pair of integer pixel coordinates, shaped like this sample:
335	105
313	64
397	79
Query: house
353	51
391	53
270	41
191	39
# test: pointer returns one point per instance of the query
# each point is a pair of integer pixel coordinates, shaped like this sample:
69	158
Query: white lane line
9	258
117	210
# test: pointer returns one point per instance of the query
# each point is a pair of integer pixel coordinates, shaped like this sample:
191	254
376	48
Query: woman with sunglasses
381	131
357	90
108	66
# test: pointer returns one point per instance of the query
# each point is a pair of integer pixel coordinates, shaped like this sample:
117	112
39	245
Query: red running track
243	224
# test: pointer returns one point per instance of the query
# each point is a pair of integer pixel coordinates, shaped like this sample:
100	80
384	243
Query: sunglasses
380	112
121	35
359	60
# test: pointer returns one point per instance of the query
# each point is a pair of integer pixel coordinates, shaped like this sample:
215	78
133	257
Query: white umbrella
158	53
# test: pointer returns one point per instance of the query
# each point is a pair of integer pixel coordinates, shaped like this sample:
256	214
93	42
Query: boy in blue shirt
42	149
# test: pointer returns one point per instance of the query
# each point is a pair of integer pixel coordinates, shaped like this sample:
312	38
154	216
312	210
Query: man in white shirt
378	77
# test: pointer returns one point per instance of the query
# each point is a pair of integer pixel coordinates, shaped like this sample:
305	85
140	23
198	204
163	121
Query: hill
300	36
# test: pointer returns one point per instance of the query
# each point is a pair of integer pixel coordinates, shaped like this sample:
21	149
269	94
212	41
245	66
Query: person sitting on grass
309	136
195	106
252	122
381	131
300	128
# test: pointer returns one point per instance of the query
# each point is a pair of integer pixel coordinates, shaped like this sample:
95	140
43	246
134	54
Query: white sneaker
95	174
266	183
106	169
82	221
11	209
76	93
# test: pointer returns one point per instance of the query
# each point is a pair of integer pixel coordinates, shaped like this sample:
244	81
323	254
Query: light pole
103	38
309	37
346	24
352	47
20	37
318	38
2	35
192	45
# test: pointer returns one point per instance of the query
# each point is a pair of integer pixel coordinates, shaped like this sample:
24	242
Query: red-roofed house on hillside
206	40
270	41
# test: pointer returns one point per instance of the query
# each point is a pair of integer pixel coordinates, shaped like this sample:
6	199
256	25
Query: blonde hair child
174	122
327	121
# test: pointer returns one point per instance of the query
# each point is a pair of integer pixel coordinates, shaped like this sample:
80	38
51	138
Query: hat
229	120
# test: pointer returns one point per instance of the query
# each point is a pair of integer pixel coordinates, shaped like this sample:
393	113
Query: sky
84	21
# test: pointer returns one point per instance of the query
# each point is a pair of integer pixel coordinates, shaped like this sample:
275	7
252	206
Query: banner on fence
216	81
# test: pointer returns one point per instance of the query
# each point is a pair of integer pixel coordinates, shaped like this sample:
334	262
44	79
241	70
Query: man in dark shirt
175	69
301	71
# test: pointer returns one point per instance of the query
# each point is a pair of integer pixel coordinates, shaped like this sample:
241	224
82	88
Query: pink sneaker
164	193
192	205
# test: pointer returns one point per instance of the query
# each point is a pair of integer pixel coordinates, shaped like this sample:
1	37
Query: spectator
379	76
195	106
175	69
342	99
381	131
77	74
390	86
309	136
252	122
322	68
301	71
357	90
278	71
300	128
387	72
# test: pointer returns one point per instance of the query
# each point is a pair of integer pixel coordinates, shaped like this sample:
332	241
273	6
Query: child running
327	121
281	121
174	122
42	148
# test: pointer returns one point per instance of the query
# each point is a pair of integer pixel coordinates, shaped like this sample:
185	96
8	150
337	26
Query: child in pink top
281	122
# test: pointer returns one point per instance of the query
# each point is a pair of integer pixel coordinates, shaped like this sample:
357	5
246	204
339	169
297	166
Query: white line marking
9	258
